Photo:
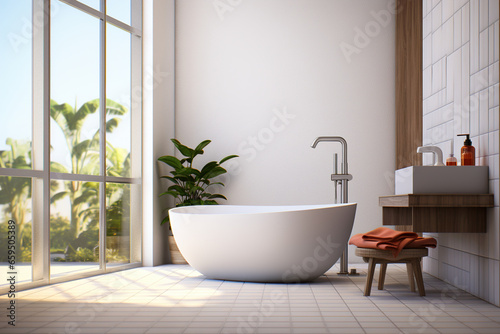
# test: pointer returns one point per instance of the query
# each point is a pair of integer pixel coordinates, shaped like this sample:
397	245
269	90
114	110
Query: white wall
263	78
158	122
461	54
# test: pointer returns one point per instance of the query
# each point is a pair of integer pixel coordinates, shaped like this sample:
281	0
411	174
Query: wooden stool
410	256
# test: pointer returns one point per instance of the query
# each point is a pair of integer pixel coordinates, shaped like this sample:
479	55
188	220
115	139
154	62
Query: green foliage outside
84	156
76	237
15	193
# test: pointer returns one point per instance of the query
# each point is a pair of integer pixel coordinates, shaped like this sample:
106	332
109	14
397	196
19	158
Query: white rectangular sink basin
442	180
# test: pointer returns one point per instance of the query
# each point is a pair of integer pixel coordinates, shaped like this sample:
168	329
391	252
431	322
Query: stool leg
381	277
409	271
369	278
417	269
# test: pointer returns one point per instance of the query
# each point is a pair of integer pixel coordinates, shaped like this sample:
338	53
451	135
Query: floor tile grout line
319	308
342	298
191	320
378	308
233	303
393	296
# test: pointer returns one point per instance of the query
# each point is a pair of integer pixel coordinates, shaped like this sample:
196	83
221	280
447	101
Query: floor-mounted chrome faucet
341	177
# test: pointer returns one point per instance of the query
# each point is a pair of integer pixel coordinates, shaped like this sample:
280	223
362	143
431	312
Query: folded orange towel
388	239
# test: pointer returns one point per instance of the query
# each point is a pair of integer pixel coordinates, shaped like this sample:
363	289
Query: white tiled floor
177	299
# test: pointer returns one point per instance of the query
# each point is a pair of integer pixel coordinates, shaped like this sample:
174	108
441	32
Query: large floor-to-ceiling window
70	138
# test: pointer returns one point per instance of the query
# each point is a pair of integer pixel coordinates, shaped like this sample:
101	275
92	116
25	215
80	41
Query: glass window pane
74	92
96	4
119	9
15	83
74	227
117	223
15	228
118	87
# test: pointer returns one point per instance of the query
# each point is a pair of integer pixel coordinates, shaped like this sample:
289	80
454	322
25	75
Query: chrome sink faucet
437	158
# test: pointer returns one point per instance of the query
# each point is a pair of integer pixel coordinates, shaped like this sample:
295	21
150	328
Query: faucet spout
329	138
436	151
338	139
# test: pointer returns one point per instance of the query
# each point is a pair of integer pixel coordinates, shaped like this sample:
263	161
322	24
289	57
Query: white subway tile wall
461	94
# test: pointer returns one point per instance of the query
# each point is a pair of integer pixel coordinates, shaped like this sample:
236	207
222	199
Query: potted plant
190	185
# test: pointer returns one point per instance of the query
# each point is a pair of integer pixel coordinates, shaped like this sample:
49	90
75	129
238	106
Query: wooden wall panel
408	82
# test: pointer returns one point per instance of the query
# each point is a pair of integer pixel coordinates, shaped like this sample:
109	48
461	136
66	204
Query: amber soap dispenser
468	152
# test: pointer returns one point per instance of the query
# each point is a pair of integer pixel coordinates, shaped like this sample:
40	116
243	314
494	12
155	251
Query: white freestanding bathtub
262	243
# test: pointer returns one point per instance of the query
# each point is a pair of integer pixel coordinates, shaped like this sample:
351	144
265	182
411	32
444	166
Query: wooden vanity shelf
441	213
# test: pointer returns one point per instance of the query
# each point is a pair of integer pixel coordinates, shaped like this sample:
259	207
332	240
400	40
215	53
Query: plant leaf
76	122
112	124
170	178
177	189
187	171
194	189
171	193
57	167
171	161
219	183
215	172
181	177
84	147
217	196
165	220
85	196
227	158
114	108
208	168
185	151
201	146
204	181
58	196
61	114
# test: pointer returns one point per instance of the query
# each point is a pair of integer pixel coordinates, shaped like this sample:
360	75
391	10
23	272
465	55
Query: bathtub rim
270	208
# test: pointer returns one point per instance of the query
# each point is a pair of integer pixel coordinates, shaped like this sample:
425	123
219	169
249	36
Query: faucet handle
341	177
